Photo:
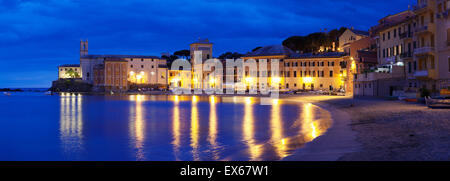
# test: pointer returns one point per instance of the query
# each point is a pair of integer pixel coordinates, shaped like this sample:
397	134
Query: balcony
421	73
425	29
406	55
406	35
423	50
420	7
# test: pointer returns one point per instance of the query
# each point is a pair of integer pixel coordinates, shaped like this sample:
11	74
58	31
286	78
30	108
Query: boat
49	93
6	93
437	102
112	93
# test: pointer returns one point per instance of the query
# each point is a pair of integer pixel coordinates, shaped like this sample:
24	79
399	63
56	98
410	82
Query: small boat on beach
49	93
437	102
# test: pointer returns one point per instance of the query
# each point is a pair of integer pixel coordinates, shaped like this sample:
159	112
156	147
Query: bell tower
83	48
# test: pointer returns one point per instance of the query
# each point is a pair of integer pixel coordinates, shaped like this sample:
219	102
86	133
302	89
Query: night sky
37	36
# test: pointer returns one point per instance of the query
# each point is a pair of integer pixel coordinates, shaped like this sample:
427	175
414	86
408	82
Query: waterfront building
348	37
69	71
144	71
416	40
432	53
111	75
267	53
323	71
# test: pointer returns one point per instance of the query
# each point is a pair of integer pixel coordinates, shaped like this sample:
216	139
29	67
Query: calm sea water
34	126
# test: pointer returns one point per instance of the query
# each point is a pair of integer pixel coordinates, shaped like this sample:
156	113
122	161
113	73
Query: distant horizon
39	36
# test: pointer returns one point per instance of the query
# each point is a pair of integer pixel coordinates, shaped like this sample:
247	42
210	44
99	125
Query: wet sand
383	130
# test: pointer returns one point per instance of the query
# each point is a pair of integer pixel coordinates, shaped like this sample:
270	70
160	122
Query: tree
186	54
313	41
72	74
257	48
230	55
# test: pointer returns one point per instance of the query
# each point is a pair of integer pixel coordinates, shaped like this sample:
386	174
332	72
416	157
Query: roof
271	51
70	65
360	32
115	60
367	56
118	56
318	55
202	41
392	20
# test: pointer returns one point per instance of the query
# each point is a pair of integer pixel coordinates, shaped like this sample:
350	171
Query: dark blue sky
37	36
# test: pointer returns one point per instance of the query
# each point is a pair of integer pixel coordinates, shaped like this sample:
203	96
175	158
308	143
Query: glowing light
142	73
137	126
131	73
276	128
249	79
194	99
176	128
212	137
353	66
248	100
194	129
254	150
276	80
176	99
212	99
307	80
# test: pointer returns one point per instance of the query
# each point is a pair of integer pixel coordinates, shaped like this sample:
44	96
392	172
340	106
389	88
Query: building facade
142	70
349	36
316	72
111	75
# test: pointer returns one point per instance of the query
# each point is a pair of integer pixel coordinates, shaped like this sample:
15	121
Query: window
153	66
448	37
295	73
331	73
415	66
131	59
409	68
449	64
142	60
142	66
395	33
384	36
389	35
131	66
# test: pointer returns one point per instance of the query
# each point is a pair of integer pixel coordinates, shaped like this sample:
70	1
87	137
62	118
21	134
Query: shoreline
384	130
337	141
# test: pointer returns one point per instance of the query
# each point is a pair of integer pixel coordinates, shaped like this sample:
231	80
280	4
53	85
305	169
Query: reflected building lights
276	126
194	129
249	132
309	128
213	126
71	124
176	127
137	125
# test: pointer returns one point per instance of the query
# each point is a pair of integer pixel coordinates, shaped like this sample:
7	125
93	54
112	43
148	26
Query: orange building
111	75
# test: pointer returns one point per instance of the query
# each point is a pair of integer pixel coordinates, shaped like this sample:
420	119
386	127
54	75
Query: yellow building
268	53
324	71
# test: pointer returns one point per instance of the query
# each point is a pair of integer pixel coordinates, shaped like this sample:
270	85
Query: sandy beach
384	130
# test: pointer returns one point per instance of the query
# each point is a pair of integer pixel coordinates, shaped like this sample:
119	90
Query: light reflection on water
71	124
190	128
